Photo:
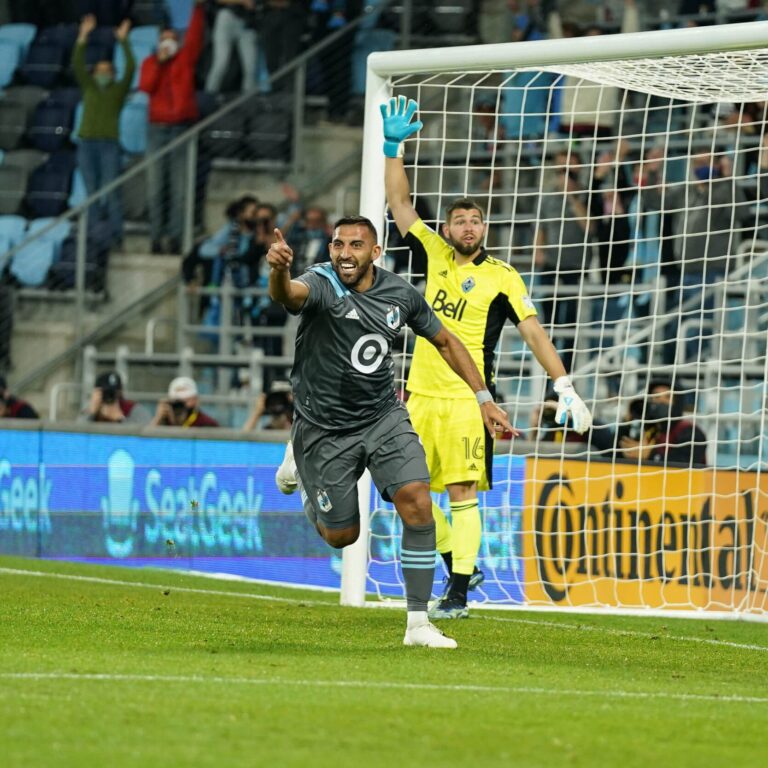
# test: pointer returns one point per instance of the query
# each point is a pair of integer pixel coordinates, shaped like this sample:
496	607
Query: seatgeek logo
184	515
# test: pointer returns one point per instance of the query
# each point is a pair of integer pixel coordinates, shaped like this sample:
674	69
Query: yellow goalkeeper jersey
473	301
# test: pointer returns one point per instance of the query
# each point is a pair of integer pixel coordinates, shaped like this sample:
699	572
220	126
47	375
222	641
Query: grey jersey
343	373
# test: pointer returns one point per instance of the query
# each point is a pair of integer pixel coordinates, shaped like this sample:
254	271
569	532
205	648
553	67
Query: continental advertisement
643	536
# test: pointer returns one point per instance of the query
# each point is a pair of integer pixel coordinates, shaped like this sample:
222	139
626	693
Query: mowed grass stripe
543	622
384	685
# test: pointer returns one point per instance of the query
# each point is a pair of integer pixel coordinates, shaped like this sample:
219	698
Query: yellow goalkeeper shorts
458	447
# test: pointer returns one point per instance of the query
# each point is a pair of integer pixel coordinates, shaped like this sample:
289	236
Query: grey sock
417	559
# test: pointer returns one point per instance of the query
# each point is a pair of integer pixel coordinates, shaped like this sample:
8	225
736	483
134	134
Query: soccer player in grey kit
348	417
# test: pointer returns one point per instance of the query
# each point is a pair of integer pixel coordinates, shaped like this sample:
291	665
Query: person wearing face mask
98	153
168	76
234	253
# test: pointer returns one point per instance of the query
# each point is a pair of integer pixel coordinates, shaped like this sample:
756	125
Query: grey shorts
330	464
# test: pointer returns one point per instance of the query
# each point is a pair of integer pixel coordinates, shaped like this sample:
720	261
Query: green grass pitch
116	667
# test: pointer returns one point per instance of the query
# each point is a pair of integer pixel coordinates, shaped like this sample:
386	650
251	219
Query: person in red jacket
12	407
168	76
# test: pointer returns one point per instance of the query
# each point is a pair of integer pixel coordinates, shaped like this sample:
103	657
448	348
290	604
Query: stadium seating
62	273
51	125
12	229
64	35
13	123
44	64
13	185
49	185
78	192
21	34
30	264
179	12
143	42
133	124
10	56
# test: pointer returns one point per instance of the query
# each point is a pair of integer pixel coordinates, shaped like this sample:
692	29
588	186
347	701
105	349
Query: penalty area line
385	685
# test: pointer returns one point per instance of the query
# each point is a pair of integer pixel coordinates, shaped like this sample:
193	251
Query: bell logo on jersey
393	317
454	310
468	284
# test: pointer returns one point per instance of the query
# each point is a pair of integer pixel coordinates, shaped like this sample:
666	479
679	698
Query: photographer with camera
273	409
107	403
181	408
12	407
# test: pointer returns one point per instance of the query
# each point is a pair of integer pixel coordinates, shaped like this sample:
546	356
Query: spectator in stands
234	253
235	23
282	28
12	407
309	237
588	110
182	409
107	403
272	410
168	76
562	245
658	430
706	211
98	152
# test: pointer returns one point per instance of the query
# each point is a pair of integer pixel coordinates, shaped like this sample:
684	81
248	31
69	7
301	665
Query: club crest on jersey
323	501
468	284
393	318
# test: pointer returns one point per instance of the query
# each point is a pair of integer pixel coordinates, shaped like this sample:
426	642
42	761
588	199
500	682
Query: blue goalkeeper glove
568	402
397	114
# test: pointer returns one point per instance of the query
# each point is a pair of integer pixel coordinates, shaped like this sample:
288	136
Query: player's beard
465	249
353	279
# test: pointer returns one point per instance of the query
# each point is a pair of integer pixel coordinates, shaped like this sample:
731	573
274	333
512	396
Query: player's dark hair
357	221
463	204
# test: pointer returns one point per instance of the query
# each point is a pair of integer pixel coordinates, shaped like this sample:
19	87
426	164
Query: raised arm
290	293
544	351
397	115
460	361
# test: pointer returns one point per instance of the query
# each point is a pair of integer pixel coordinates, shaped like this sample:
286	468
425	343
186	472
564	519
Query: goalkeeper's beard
465	249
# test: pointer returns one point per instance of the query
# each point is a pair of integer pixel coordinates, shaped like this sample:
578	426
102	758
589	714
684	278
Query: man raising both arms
473	294
348	417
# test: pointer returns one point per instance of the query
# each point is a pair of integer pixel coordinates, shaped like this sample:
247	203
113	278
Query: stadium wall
555	533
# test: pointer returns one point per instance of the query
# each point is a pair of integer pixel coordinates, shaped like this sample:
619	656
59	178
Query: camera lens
178	405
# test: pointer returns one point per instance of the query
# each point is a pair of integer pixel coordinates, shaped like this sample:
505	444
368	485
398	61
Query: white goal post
637	221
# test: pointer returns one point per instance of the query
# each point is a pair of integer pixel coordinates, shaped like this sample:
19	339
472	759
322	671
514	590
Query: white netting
632	197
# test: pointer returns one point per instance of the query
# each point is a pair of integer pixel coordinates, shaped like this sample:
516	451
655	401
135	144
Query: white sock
417	619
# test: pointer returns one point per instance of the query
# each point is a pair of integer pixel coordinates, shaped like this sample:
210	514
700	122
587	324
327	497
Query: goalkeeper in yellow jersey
473	294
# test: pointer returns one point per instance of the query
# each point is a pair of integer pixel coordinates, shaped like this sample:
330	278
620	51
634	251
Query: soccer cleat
285	477
476	579
450	607
428	636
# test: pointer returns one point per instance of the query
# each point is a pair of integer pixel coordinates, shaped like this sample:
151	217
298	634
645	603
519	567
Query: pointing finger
279	235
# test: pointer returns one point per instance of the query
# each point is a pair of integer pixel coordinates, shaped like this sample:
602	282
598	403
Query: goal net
626	178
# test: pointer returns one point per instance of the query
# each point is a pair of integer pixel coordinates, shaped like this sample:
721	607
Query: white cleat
285	477
428	636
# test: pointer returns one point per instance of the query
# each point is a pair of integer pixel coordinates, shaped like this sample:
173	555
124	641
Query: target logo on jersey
369	352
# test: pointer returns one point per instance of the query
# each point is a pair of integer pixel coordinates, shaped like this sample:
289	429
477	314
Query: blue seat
10	56
133	124
78	193
21	34
67	97
44	64
148	34
140	52
12	229
77	120
30	264
50	126
179	12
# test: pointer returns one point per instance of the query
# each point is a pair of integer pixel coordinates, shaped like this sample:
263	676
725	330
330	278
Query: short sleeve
520	303
321	292
435	247
421	318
